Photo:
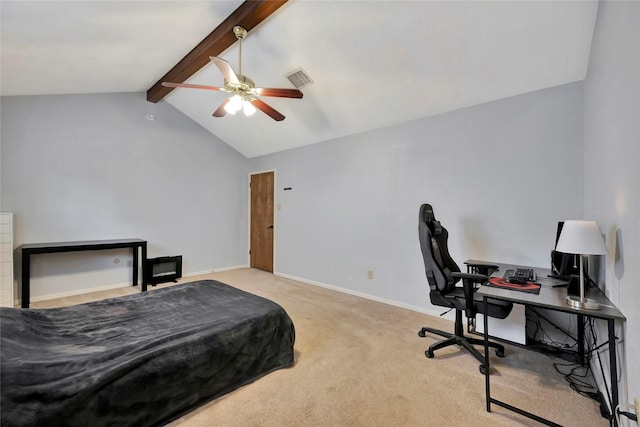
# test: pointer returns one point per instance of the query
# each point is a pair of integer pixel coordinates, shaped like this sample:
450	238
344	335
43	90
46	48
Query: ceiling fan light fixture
248	108
234	104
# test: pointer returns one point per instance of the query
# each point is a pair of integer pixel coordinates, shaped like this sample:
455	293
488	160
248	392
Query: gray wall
85	167
499	175
612	178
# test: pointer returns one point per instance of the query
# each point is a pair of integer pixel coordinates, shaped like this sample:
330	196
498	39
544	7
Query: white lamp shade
582	238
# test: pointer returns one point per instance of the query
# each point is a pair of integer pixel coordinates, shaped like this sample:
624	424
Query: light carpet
361	363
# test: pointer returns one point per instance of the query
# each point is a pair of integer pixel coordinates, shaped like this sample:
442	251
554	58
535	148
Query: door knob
270	227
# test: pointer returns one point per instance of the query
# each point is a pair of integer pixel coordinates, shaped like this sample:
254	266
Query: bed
143	359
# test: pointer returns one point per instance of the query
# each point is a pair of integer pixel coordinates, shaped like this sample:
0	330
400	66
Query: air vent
299	78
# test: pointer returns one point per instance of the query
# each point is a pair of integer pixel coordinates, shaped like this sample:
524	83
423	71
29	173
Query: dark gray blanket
140	360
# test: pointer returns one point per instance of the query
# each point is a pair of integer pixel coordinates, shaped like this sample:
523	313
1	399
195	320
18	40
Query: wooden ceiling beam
249	14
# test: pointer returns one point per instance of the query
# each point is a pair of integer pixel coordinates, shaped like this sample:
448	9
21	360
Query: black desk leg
486	354
613	368
26	273
134	279
582	360
144	266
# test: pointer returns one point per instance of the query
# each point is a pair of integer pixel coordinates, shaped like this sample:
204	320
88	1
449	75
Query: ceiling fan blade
225	69
269	111
220	112
167	84
282	93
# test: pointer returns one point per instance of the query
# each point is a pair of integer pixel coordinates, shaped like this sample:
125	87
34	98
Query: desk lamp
581	238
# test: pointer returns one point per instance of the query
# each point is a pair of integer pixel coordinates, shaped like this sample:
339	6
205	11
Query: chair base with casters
458	338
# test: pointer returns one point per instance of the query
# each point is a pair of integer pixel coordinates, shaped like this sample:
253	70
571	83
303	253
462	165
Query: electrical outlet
637	402
370	274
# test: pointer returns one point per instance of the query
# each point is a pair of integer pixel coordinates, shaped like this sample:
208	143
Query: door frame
275	210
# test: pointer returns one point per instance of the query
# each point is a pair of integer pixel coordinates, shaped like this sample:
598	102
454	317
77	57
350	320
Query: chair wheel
499	353
421	334
482	370
429	354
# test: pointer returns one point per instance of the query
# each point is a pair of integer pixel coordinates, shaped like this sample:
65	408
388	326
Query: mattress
140	360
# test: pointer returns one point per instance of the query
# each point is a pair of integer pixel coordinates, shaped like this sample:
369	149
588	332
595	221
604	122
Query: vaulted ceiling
373	63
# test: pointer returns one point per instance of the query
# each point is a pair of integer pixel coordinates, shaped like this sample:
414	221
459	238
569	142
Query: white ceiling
373	64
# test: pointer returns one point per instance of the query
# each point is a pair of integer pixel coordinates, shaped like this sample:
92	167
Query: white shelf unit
7	298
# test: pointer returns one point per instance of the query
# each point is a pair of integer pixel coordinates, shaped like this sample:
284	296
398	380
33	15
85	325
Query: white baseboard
120	285
197	273
79	292
215	270
363	295
219	270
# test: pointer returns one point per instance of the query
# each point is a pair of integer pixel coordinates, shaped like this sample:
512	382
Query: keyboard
520	276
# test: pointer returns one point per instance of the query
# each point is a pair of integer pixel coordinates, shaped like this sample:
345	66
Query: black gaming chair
442	275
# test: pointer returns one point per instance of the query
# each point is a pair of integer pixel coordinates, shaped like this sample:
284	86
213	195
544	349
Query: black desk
89	245
553	299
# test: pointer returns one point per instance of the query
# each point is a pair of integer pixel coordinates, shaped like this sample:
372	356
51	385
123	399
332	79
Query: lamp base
586	303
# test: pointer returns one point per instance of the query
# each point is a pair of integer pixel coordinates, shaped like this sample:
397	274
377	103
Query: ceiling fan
245	93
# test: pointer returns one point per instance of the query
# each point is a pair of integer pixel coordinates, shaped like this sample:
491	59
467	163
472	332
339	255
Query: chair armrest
468	279
473	277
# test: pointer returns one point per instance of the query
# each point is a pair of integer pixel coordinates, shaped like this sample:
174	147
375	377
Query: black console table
89	245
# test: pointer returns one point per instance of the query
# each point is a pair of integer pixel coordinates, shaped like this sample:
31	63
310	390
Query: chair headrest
430	219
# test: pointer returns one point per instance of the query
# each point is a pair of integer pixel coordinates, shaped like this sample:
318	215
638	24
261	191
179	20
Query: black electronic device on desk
520	276
563	266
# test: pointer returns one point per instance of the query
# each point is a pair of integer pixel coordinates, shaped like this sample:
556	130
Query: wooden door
261	240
